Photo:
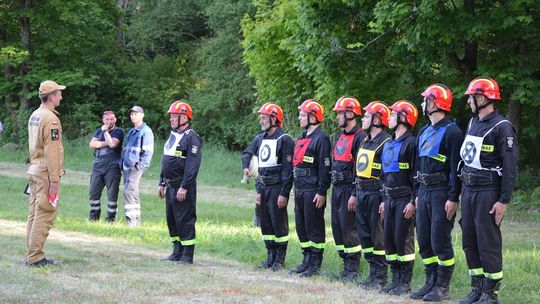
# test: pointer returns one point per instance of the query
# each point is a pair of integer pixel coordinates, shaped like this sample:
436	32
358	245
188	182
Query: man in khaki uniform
46	167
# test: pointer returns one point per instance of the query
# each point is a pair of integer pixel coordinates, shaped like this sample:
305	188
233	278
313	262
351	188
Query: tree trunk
122	6
24	20
514	106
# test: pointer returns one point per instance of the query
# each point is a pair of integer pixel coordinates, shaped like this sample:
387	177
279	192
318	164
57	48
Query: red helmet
347	103
440	94
272	109
310	106
180	107
408	109
484	86
380	109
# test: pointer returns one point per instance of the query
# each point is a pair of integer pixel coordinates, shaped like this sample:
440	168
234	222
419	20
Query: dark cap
136	109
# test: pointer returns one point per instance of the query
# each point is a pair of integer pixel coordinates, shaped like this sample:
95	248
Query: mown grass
225	231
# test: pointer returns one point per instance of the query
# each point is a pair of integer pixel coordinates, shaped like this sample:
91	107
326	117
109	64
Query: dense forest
227	57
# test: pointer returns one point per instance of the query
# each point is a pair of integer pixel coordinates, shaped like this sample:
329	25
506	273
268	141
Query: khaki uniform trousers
41	216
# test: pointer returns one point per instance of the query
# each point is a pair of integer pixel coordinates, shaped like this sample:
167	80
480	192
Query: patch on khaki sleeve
54	122
55	135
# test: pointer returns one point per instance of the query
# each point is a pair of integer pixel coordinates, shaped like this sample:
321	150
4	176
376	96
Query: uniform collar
405	135
441	123
490	115
43	106
312	134
353	130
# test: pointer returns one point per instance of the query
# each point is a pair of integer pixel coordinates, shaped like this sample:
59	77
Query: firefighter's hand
351	205
450	207
381	210
409	210
282	201
246	172
499	209
53	188
258	198
181	194
319	200
161	192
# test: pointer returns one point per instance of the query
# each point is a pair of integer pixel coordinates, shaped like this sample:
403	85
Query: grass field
103	263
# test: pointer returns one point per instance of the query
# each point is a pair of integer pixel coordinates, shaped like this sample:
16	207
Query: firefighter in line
438	192
107	145
490	156
275	150
366	197
343	216
46	166
398	161
311	163
178	181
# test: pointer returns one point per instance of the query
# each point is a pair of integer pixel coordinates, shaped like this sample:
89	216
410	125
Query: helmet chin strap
401	122
478	108
371	124
427	113
310	123
272	125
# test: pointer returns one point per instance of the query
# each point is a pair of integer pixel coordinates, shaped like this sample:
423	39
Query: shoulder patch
54	122
55	135
510	142
194	149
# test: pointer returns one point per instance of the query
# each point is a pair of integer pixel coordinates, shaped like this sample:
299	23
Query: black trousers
309	220
433	229
274	220
343	221
482	240
398	231
370	225
181	216
105	172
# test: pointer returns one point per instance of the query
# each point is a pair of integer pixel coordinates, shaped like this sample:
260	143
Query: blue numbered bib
390	156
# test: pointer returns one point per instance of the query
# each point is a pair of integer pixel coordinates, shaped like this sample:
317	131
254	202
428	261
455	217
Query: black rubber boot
315	262
176	253
441	291
279	261
431	278
476	291
350	271
187	255
405	277
490	292
270	256
395	267
379	281
305	262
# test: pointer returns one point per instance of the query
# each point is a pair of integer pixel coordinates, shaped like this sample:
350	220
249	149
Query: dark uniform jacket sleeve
325	164
252	149
412	164
454	140
508	146
285	154
193	160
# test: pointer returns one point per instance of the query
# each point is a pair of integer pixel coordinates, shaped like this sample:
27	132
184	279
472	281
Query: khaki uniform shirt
45	144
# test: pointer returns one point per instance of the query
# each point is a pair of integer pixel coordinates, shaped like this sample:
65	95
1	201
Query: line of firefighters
386	185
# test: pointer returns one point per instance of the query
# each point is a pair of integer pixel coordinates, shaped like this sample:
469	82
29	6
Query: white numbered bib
472	147
268	152
169	148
